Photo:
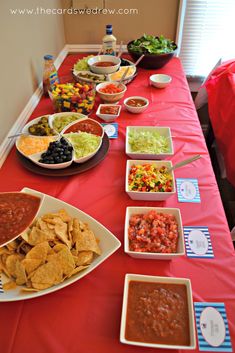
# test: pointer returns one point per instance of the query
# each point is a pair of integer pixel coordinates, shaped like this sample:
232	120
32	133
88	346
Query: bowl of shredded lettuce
148	142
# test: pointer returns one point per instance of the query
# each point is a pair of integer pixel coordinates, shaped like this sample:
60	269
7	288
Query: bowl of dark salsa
85	125
136	104
158	312
104	64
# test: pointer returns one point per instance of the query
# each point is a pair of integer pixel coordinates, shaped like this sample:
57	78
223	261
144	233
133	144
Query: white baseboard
7	143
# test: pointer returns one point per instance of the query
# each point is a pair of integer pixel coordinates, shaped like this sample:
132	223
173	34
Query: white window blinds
206	33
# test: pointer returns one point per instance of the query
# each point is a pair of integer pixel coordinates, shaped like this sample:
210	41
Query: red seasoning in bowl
104	64
17	211
153	233
111	88
136	102
157	313
89	126
109	109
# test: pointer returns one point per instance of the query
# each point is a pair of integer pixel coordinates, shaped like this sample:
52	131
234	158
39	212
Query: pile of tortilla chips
56	247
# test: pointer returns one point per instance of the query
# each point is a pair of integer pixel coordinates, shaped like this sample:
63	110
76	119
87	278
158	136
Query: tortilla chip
39	251
11	264
37	236
84	258
86	241
20	273
76	270
31	264
47	275
9	285
65	260
61	232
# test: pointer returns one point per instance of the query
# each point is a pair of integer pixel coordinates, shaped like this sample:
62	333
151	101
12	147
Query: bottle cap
48	57
109	29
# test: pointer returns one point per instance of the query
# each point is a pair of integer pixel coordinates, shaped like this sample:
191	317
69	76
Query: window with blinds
206	30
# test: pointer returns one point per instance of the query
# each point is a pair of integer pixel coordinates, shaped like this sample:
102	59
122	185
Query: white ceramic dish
107	242
160	80
32	122
156	279
62	115
136	110
148	196
155	256
96	78
108	117
163	131
37	137
110	97
104	70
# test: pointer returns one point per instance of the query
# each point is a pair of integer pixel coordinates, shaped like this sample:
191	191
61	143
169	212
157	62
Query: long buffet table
85	316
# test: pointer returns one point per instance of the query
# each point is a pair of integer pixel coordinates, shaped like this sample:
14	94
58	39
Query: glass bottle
50	75
109	41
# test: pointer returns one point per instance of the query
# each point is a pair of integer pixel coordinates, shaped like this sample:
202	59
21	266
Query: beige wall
154	17
26	38
24	41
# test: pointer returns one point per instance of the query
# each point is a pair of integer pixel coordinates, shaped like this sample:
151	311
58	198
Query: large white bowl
160	80
148	196
110	97
163	131
156	279
180	251
136	110
108	244
104	70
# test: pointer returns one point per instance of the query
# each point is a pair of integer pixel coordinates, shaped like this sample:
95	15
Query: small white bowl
163	131
136	110
180	251
144	195
165	280
104	70
160	80
108	117
111	97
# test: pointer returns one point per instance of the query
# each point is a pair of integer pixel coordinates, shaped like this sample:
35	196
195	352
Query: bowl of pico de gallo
153	233
111	92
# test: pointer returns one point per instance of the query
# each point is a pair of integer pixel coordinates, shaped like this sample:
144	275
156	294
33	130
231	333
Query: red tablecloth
221	102
85	316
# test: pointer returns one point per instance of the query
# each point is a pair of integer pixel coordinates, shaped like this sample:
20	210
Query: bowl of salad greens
157	50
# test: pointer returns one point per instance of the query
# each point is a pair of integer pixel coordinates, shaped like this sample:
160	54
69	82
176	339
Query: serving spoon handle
184	162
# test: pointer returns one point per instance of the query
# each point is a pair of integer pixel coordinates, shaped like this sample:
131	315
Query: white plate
156	279
107	242
163	131
155	256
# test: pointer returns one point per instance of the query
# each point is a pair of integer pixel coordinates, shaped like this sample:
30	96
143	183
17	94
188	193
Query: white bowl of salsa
157	312
104	64
136	104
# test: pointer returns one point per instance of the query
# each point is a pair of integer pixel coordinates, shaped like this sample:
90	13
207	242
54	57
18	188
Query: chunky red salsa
17	211
104	64
109	109
157	313
153	232
88	126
